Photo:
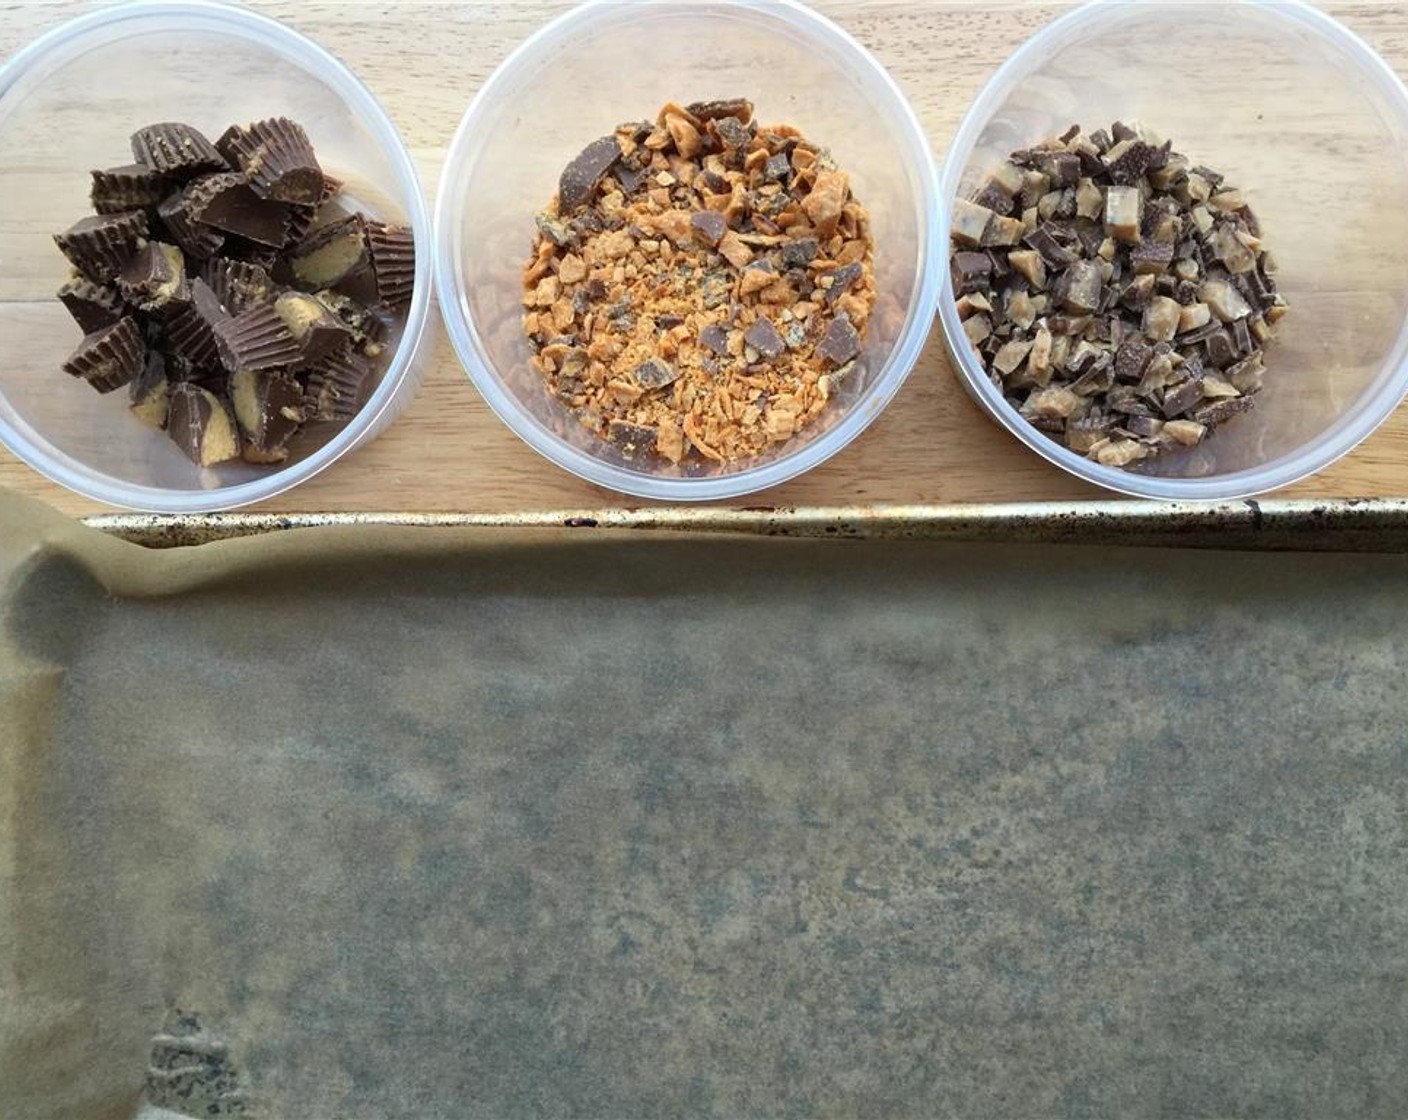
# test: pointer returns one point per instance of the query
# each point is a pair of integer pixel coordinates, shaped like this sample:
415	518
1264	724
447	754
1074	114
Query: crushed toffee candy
1128	318
700	285
187	281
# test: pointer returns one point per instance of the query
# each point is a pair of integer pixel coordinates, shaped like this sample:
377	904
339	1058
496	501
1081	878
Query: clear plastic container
1299	113
606	62
68	103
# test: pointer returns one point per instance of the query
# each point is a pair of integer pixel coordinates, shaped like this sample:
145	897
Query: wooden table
448	452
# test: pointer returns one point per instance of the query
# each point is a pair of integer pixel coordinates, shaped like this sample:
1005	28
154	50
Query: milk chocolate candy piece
202	425
337	386
256	338
277	160
715	337
151	392
841	280
131	187
196	241
177	150
971	271
330	253
228	203
364	323
739	108
93	306
190	333
109	357
655	373
762	336
99	245
154	278
840	343
238	285
709	225
580	177
393	255
632	439
316	329
270	408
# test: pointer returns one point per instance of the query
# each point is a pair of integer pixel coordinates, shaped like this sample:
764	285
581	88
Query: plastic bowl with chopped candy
613	360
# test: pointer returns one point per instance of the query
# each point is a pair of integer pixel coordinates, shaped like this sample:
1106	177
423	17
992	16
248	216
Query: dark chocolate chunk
150	392
1062	167
277	159
633	439
1151	256
256	338
1120	131
1215	412
668	322
315	328
1052	252
392	250
840	343
269	408
228	203
713	182
710	225
176	150
99	245
132	187
656	374
109	357
841	280
1220	352
1180	398
1143	425
762	336
331	253
1129	167
190	332
715	337
778	167
629	177
739	108
580	177
971	271
93	306
1131	358
734	134
1242	337
202	425
337	386
196	241
154	278
799	253
994	198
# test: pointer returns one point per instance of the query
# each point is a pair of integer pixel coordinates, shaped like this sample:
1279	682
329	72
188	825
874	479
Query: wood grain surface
448	452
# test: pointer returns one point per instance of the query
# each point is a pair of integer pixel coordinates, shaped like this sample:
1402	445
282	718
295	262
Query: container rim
211	15
1377	400
468	343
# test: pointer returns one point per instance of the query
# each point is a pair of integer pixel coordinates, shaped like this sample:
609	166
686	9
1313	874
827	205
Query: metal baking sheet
382	822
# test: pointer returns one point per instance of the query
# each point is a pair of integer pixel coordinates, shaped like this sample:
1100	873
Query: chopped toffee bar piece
580	177
202	425
110	357
176	150
1132	321
99	245
186	285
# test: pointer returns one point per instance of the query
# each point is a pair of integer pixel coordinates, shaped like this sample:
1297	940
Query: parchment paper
461	824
